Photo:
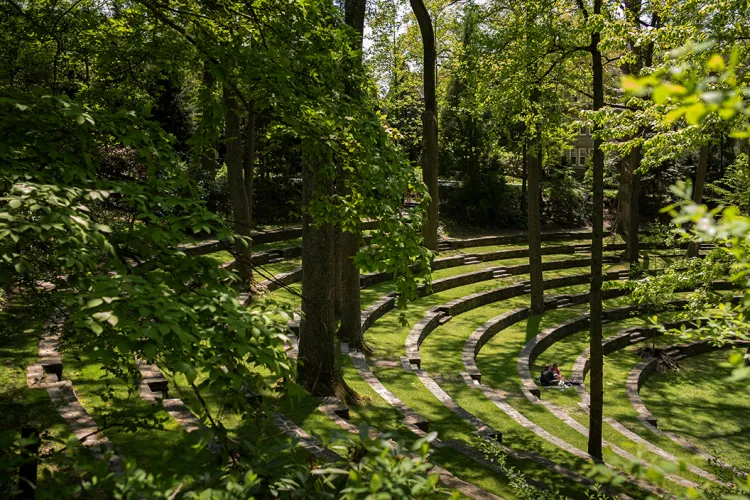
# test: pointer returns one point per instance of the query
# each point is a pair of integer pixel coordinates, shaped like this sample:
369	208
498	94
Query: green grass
387	336
699	404
110	402
23	406
616	404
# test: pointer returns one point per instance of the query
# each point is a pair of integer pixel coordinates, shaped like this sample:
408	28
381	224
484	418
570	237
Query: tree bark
207	157
317	367
338	272
524	170
634	206
596	355
237	194
350	330
534	221
429	122
624	197
250	145
698	186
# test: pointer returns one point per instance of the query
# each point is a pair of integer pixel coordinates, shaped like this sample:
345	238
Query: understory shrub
486	199
566	201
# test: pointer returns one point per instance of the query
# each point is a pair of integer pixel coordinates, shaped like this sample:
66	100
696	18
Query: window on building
573	157
582	153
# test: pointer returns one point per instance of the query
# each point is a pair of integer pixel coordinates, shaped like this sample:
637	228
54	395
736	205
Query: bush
487	200
566	200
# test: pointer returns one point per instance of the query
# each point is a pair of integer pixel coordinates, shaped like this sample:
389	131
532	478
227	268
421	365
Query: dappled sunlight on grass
698	404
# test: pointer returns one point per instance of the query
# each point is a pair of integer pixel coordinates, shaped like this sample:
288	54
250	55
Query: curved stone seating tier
441	314
415	423
46	373
485	430
309	443
506	239
536	346
476	258
493	326
154	387
617	342
388	301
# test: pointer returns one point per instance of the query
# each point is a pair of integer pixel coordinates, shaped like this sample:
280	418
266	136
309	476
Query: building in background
582	149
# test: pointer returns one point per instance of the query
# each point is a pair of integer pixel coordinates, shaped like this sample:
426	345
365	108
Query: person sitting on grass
548	377
556	371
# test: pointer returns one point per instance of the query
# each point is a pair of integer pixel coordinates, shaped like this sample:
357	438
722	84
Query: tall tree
596	355
317	362
640	55
534	218
351	329
235	160
429	122
698	186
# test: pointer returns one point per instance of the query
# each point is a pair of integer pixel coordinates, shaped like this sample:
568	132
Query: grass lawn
23	406
110	402
699	404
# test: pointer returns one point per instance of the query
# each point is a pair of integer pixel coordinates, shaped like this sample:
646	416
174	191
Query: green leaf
94	303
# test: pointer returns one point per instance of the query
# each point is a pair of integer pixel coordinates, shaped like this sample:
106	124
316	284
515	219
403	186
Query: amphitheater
464	366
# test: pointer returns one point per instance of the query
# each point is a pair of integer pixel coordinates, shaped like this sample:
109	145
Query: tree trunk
634	206
596	355
317	368
429	122
700	183
338	255
237	194
624	198
534	221
350	330
208	157
524	170
250	146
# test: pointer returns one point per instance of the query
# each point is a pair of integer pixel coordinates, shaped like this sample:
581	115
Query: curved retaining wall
46	373
453	244
443	313
536	346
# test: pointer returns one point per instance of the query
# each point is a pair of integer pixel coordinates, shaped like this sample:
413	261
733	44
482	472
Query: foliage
485	199
566	201
734	187
662	235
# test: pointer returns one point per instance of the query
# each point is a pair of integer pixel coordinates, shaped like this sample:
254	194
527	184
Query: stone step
418	422
335	406
52	366
445	319
275	260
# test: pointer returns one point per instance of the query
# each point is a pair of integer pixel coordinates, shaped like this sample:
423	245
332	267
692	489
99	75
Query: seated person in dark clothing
548	378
